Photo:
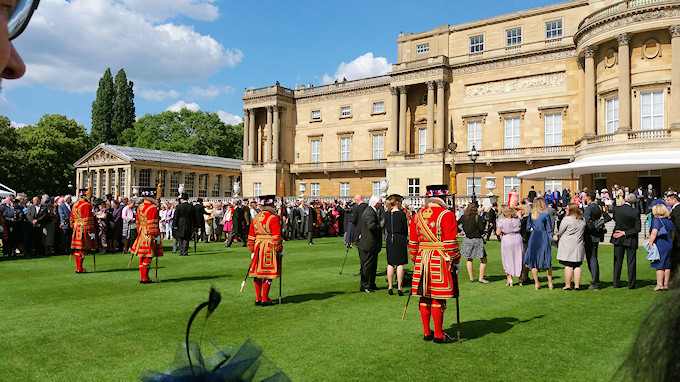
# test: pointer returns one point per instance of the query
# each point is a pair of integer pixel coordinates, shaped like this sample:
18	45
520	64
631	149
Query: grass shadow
299	298
471	330
193	278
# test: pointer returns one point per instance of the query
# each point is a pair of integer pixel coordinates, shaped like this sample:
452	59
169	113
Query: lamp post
70	188
473	154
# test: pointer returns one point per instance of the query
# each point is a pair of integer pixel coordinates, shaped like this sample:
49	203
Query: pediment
101	156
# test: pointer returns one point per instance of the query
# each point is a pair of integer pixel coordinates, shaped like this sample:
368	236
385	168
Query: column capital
394	90
269	108
623	38
403	89
674	30
589	51
430	85
581	62
441	84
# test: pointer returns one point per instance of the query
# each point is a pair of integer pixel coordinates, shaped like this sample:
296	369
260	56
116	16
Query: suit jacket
64	215
627	219
532	195
675	218
370	231
199	211
183	222
31	214
491	216
592	213
566	197
357	211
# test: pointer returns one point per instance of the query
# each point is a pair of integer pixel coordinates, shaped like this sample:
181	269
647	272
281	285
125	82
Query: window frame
509	184
554	33
316	112
652	117
413	187
517	37
553	134
512	136
373	188
376	112
423	48
614	121
477	139
312	153
257	189
347	109
381	150
344	189
476	44
422	140
478	187
315	189
144	177
345	150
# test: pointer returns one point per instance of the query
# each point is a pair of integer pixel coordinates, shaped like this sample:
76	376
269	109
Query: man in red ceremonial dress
82	224
148	243
264	241
434	251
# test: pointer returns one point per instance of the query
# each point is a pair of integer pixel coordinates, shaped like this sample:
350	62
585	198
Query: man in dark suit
491	216
199	223
566	196
311	223
674	201
64	211
239	225
592	238
357	211
650	195
32	232
183	224
625	239
532	194
370	243
640	200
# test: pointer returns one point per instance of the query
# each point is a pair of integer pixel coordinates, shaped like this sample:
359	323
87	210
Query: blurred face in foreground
14	16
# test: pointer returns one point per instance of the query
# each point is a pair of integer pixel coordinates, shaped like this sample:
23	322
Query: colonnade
624	82
399	122
268	149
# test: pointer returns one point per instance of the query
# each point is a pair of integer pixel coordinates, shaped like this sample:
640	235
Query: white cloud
158	95
361	67
162	9
210	92
17	125
228	118
179	105
70	44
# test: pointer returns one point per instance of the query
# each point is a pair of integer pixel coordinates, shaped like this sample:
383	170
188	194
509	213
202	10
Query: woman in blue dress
539	252
664	243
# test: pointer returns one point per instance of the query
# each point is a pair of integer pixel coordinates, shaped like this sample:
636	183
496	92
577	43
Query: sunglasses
19	15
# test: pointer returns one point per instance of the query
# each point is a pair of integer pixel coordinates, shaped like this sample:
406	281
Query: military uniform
148	243
82	225
264	241
434	251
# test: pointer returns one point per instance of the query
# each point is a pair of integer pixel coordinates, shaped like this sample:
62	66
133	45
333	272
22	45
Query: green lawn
105	326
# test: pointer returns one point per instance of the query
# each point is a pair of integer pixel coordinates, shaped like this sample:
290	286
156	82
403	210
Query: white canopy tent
632	161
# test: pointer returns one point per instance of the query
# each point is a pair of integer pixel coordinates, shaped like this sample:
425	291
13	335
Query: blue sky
202	54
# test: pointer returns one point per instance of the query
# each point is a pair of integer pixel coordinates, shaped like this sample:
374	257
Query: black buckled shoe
83	271
267	303
258	303
446	340
428	337
147	282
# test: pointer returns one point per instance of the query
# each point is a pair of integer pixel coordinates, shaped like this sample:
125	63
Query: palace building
125	171
543	88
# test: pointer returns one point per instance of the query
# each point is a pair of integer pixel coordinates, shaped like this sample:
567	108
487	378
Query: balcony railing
425	62
618	7
526	152
630	135
649	134
344	85
370	164
266	90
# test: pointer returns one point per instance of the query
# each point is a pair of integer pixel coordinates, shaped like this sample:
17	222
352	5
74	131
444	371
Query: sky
202	54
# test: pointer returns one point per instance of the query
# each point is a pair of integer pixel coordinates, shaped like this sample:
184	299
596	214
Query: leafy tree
102	110
50	147
194	132
11	171
123	106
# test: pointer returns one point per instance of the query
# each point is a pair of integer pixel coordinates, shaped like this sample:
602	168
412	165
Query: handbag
662	229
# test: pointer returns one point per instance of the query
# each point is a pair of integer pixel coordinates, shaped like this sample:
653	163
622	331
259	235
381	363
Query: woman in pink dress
227	220
512	246
513	198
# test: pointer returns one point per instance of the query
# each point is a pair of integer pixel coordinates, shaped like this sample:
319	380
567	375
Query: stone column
675	76
251	139
430	117
116	182
98	190
624	81
268	132
246	126
276	141
394	121
441	116
589	91
402	119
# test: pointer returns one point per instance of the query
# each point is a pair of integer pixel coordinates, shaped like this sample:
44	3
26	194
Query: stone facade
529	89
126	171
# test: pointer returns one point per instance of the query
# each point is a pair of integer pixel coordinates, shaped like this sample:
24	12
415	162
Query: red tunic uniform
82	224
4	235
147	243
264	240
432	245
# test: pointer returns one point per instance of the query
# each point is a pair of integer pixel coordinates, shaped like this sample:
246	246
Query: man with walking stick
434	251
264	241
82	226
148	244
